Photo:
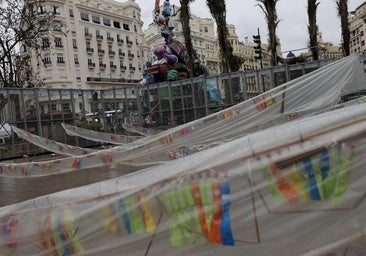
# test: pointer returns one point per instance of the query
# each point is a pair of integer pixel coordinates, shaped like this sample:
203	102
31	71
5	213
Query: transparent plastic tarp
51	145
117	139
313	92
292	189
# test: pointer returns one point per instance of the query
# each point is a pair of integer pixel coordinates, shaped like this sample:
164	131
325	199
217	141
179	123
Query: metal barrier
177	102
41	111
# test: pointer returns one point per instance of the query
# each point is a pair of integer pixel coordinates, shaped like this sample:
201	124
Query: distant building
326	50
205	43
203	39
95	44
357	25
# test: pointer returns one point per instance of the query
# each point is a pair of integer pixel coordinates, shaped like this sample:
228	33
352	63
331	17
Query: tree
218	12
269	9
313	28
229	62
342	6
185	15
21	28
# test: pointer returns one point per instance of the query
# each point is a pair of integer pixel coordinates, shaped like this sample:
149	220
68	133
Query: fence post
204	87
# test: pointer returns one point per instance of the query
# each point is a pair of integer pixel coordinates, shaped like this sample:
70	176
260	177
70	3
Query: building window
206	29
47	59
78	74
71	12
45	43
72	27
74	44
126	27
53	107
84	16
60	58
56	10
58	42
96	19
76	59
41	10
66	106
116	24
62	74
106	21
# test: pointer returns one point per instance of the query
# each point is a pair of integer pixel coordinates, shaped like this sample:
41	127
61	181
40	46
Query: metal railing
41	111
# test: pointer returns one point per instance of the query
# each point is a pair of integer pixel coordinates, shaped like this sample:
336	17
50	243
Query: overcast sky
247	17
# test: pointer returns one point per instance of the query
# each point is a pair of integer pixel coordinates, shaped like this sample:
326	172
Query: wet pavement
14	190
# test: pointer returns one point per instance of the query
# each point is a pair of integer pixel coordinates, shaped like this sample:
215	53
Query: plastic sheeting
51	145
313	92
116	139
141	130
293	189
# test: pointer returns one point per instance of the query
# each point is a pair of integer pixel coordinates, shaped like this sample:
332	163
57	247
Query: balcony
102	65
111	53
101	52
91	65
89	50
132	69
130	56
88	35
102	79
129	43
110	39
123	68
99	37
120	41
113	67
121	54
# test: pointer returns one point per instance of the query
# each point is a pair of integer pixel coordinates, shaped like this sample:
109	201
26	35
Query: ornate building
92	41
95	44
357	23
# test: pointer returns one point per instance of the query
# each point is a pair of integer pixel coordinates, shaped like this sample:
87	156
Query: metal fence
41	111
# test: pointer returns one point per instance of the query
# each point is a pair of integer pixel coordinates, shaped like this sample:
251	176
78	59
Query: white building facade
357	25
94	45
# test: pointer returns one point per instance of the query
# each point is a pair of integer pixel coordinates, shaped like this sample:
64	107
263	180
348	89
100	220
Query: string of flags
129	215
199	208
316	178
